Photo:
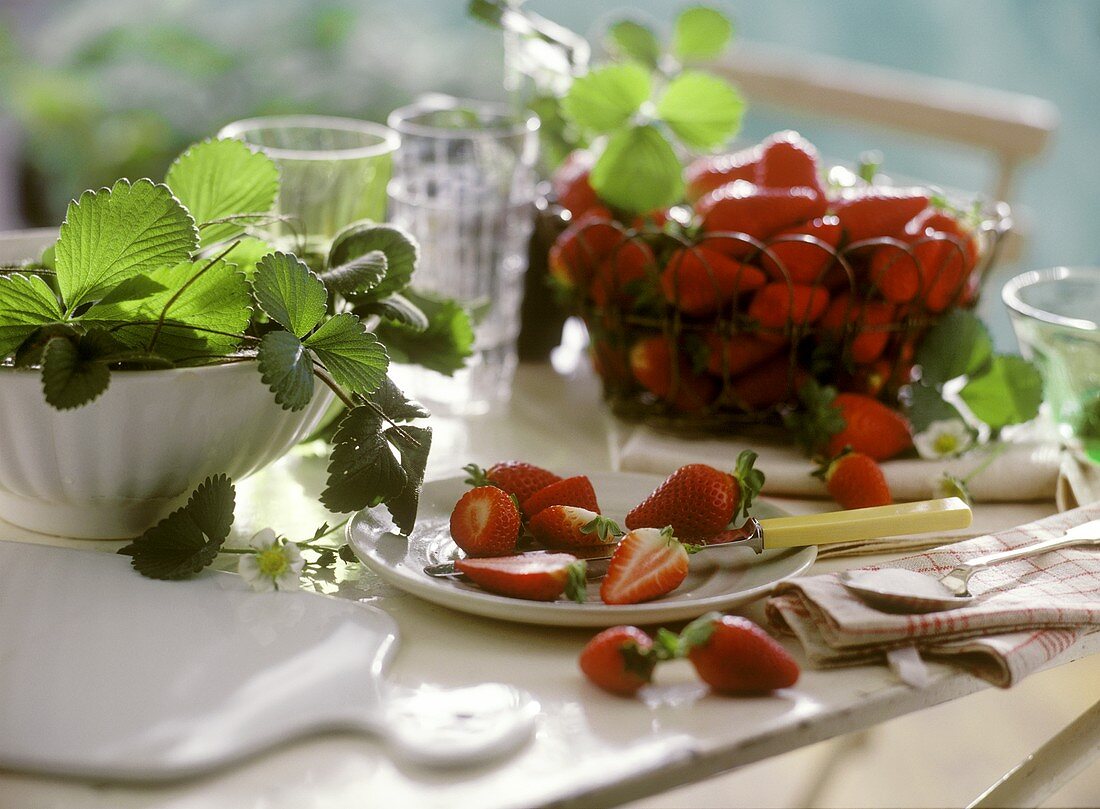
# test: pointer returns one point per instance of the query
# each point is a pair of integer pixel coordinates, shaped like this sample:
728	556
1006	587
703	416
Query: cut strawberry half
647	564
531	576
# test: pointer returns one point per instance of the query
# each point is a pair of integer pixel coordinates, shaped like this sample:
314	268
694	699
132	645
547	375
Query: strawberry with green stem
572	527
517	478
620	659
698	501
735	656
826	422
573	491
855	480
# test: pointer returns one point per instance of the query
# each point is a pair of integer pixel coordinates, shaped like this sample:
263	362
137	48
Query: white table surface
590	748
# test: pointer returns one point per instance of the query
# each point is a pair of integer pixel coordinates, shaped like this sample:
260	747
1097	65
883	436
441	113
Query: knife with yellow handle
851	525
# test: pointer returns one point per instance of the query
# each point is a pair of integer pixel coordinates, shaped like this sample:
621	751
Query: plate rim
560	614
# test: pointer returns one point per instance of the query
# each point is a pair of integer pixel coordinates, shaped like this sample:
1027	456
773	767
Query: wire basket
716	332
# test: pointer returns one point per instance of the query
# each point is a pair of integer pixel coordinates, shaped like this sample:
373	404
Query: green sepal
605	529
638	661
749	480
576	581
697	634
666	645
816	419
476	475
693	548
188	539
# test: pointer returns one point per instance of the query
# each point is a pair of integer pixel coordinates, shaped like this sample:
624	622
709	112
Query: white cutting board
107	674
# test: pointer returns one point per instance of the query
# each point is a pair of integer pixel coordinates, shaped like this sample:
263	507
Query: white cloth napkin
1027	470
1078	482
1025	612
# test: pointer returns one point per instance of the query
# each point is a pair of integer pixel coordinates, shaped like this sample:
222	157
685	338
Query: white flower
944	439
276	564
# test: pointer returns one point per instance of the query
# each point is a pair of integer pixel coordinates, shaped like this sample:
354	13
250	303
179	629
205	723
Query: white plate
742	577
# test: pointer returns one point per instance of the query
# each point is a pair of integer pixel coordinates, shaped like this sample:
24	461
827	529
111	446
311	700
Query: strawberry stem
749	480
477	475
576	582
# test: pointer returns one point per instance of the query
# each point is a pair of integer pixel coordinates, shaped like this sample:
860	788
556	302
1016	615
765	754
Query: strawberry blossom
947	438
276	564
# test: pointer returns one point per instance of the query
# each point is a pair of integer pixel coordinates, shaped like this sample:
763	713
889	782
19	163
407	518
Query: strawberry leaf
638	171
816	419
355	358
399	310
221	178
360	274
362	238
363	471
925	405
189	538
703	110
749	480
414	444
606	98
290	293
119	232
631	40
442	347
286	367
1010	392
73	370
26	303
701	32
393	404
958	344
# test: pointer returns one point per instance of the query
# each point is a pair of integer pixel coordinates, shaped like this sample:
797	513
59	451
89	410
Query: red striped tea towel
1025	613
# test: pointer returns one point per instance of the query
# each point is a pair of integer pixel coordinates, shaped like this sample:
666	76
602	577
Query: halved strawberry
735	656
574	491
620	659
705	174
485	522
697	501
648	563
515	477
700	281
533	576
572	527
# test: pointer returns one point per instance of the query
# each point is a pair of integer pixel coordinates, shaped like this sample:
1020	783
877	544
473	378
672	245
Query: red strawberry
610	362
572	527
577	253
944	255
698	501
780	305
768	384
875	211
515	477
620	659
670	376
533	576
855	480
759	212
788	160
574	491
868	322
648	563
700	281
570	184
705	174
735	656
729	356
619	273
870	427
805	260
485	522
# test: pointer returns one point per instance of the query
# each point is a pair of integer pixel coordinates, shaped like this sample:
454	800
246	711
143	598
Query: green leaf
136	288
361	274
1009	393
112	234
703	110
363	471
290	293
287	369
638	171
925	405
189	538
354	358
398	309
443	346
220	178
74	372
393	404
607	97
361	238
629	39
247	254
196	296
958	344
26	303
701	32
414	444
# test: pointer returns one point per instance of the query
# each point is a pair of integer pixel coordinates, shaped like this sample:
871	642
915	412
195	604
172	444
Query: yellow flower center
272	562
946	444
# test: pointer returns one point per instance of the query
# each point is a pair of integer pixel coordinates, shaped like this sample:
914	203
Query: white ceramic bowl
114	467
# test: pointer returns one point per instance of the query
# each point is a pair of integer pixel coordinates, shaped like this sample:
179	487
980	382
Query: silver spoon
907	591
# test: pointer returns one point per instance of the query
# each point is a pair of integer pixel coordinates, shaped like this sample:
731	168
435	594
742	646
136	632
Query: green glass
1056	316
333	171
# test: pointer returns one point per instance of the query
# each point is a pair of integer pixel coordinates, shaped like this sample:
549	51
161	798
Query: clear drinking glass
1056	316
464	186
333	172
